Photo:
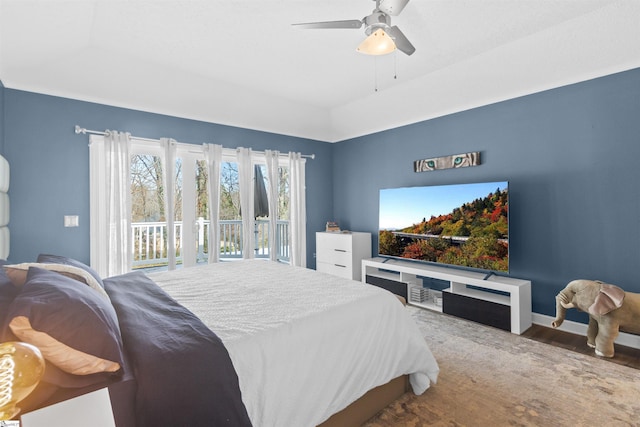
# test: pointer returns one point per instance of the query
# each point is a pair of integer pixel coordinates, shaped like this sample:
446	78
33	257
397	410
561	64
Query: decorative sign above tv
447	162
464	225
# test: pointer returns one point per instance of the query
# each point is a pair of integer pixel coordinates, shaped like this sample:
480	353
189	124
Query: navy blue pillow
58	259
76	316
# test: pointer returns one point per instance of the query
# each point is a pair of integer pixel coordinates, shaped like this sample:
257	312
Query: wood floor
627	356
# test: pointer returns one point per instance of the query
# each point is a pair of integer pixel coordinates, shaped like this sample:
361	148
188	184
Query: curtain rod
84	131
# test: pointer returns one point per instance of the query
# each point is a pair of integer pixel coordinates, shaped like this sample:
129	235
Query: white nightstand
341	254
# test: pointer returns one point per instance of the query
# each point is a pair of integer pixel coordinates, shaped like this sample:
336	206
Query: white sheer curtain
168	182
245	181
110	203
213	157
272	159
298	210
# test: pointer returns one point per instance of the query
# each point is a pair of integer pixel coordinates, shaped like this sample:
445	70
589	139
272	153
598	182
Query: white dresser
341	254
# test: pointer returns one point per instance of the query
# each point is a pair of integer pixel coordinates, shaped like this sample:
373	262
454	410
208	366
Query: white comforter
304	344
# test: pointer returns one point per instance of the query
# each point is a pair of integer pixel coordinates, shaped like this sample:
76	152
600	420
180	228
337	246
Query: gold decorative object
21	368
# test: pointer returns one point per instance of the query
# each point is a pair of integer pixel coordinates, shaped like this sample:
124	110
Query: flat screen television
464	225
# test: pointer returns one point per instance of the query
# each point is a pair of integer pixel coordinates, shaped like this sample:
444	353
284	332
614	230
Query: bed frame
370	404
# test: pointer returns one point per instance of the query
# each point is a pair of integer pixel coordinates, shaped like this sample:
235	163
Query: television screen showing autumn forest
464	224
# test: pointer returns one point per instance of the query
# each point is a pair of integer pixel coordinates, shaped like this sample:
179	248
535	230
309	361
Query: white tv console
504	302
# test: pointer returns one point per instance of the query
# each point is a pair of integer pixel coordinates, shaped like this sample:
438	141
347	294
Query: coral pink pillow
75	328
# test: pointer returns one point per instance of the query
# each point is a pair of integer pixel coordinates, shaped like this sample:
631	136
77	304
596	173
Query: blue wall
50	166
569	154
571	157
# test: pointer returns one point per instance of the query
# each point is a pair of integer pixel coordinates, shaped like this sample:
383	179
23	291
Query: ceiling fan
382	37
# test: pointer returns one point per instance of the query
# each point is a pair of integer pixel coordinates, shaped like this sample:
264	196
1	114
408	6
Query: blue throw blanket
184	374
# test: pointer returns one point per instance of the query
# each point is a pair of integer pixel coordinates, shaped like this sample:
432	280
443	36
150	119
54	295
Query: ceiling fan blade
402	43
353	23
392	7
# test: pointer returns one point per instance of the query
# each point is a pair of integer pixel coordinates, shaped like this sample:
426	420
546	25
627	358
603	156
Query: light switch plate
71	221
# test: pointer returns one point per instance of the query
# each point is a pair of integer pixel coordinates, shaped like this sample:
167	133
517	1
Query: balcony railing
149	241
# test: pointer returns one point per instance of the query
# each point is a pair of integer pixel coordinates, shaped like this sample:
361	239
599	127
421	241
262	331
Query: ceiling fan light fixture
378	43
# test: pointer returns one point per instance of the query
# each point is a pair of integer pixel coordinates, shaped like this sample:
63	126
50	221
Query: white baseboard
625	339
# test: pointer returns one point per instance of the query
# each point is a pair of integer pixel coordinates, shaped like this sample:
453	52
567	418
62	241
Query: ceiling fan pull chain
395	65
375	73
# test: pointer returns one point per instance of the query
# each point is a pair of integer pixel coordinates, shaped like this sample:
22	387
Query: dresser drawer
335	270
333	241
335	256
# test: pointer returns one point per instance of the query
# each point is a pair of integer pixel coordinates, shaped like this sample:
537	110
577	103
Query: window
149	225
149	238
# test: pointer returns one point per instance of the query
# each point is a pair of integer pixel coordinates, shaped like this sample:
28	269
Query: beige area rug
489	377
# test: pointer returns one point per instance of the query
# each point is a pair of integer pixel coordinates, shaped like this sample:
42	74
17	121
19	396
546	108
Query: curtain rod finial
80	130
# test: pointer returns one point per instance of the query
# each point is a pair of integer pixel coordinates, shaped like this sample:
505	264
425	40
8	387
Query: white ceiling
241	62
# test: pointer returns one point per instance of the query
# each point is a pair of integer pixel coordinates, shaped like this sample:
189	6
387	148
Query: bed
233	343
335	338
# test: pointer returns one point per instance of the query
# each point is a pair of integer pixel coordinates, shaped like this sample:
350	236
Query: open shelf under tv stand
500	301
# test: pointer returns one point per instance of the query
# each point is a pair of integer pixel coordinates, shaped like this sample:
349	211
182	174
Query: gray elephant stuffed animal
610	310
